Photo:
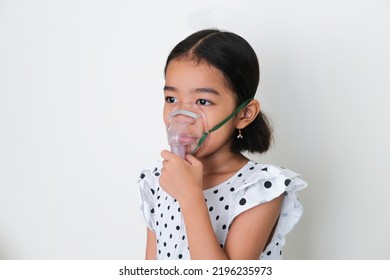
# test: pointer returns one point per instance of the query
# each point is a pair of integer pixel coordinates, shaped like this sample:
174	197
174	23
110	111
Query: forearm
203	242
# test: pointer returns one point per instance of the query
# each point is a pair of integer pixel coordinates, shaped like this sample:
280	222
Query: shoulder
271	178
262	183
148	184
152	170
148	179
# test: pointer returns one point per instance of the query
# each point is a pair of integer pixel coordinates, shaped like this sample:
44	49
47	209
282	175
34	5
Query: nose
186	109
184	113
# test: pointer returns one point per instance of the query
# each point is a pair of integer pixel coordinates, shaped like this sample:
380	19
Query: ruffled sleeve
264	184
148	186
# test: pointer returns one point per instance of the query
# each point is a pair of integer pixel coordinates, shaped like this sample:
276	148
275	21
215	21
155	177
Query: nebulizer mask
187	127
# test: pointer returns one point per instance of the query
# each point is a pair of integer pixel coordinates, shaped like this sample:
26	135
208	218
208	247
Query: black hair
236	59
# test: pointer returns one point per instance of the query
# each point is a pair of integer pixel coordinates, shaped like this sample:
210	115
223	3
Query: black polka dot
177	228
211	208
172	217
156	223
168	255
267	184
152	211
216	191
159	252
178	209
142	175
155	169
169	207
232	189
221	198
183	237
217	218
158	197
170	236
165	225
242	201
157	174
226	207
165	244
287	182
252	168
264	169
268	253
239	175
224	227
158	205
153	192
180	256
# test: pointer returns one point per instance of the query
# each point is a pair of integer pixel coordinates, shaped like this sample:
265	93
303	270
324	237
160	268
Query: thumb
192	160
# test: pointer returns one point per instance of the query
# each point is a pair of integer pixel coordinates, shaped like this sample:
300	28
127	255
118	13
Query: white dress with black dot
252	185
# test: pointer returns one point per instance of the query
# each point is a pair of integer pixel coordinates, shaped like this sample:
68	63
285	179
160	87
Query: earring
239	136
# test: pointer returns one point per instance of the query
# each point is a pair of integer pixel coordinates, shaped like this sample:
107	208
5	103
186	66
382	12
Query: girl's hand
181	179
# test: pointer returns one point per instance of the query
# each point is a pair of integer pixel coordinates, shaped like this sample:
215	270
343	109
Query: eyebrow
169	88
197	90
207	90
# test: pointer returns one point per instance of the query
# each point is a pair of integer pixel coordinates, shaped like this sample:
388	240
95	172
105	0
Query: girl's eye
170	99
203	102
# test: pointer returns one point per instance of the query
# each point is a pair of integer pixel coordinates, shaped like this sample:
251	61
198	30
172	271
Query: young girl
215	203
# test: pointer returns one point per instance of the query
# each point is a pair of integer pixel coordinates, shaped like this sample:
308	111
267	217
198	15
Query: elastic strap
235	112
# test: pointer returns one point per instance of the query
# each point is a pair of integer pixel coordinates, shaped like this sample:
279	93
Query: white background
80	117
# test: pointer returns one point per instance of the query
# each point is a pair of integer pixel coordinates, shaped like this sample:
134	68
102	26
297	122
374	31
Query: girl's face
189	82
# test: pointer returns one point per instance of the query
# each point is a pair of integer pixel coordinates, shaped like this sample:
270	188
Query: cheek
222	134
214	118
165	120
165	115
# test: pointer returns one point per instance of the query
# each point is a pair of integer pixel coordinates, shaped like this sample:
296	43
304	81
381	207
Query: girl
215	203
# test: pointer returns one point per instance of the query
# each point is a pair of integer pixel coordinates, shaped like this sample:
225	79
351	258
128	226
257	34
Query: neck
219	167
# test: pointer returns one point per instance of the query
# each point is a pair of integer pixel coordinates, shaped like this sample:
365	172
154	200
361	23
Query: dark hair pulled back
236	59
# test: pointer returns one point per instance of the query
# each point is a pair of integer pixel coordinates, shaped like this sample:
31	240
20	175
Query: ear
248	114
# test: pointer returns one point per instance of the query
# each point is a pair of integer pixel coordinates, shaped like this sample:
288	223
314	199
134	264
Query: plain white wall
80	116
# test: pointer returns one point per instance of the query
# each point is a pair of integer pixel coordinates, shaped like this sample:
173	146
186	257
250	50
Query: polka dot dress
253	185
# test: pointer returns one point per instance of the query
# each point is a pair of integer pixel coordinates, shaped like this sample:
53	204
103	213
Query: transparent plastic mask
186	126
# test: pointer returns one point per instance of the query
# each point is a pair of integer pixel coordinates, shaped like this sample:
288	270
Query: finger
192	160
166	154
